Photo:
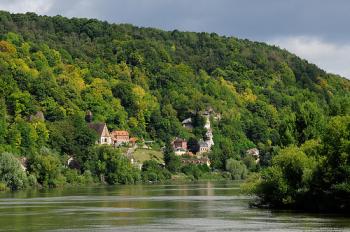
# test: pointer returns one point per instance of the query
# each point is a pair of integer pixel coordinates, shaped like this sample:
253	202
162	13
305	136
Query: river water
205	206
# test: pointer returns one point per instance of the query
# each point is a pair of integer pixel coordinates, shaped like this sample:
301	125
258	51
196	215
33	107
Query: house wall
182	145
203	150
105	137
122	138
105	140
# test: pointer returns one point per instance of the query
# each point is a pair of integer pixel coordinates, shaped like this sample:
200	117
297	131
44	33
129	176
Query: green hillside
147	81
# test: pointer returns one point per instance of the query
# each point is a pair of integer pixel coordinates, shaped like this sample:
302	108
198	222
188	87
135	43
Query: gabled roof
179	140
201	143
98	127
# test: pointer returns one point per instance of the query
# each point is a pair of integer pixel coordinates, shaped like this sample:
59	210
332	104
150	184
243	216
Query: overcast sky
317	30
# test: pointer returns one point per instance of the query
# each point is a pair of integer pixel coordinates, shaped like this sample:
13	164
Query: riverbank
74	180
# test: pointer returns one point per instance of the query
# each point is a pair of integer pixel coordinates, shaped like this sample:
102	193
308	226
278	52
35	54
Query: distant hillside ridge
147	81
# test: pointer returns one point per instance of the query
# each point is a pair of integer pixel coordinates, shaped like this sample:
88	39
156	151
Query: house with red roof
179	143
120	137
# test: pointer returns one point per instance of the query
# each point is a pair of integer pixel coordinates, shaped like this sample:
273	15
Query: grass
142	155
3	187
123	150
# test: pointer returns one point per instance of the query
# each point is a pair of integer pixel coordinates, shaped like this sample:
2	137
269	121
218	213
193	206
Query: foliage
3	186
314	176
11	173
147	81
172	162
152	171
288	178
46	166
250	162
195	171
331	181
109	165
72	136
193	145
73	177
237	169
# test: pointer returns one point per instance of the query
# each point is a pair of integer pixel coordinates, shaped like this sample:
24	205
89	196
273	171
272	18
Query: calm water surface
208	206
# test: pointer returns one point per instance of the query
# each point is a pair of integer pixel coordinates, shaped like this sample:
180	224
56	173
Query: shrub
32	181
250	162
72	176
237	169
87	177
3	186
152	171
192	170
46	167
288	178
149	176
11	172
112	166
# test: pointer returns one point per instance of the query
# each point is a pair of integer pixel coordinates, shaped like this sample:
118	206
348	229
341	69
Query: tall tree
3	123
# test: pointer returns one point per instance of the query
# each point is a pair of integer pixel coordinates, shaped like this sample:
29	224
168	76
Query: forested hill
147	81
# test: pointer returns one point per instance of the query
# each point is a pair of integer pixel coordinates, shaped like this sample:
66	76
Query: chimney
88	116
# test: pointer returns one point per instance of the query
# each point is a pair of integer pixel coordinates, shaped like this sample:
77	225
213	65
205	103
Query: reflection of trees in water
160	207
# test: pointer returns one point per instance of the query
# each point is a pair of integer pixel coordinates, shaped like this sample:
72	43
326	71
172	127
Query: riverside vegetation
147	81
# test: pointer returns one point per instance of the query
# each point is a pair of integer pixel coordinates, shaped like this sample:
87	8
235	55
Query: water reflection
208	206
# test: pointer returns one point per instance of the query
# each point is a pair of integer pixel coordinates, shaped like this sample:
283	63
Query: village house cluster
115	138
118	138
205	145
105	137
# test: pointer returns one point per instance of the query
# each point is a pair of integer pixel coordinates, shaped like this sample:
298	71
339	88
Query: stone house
203	147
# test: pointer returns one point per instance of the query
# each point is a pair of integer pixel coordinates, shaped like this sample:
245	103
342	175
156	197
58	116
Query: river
205	206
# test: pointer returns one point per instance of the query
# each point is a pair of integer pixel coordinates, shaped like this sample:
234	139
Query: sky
316	30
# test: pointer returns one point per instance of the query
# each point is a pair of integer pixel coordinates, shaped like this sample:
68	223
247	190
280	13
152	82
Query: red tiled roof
118	133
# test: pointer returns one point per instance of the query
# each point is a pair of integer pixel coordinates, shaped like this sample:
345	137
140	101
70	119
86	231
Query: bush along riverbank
106	165
314	176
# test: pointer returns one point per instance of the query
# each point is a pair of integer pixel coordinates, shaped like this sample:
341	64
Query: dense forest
147	81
